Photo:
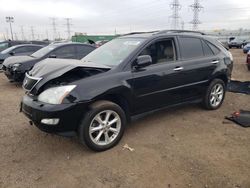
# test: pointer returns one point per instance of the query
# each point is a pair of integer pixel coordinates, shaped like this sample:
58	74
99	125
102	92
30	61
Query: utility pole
68	24
176	7
32	32
22	32
10	19
54	27
196	8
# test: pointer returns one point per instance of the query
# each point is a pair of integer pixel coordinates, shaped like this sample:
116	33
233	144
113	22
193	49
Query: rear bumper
69	115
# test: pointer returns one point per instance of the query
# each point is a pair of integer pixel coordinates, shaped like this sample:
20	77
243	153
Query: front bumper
16	76
69	115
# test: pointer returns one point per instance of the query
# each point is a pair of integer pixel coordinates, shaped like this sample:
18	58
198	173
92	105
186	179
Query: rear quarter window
207	50
191	47
215	49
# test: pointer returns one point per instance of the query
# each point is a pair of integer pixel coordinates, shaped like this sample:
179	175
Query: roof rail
179	31
134	33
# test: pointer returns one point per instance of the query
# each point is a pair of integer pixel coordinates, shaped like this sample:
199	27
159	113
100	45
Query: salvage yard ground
175	148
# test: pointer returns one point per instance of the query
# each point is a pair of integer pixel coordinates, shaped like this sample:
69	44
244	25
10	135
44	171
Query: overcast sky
106	16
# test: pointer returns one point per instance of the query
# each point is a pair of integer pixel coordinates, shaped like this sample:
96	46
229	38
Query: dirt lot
183	147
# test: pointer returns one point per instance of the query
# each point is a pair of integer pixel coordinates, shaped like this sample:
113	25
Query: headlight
55	95
15	66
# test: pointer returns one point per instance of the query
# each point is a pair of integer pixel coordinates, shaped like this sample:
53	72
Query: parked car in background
100	43
16	67
127	76
23	49
236	43
9	43
248	60
246	48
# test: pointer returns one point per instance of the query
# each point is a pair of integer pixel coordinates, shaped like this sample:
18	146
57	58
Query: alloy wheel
217	94
105	127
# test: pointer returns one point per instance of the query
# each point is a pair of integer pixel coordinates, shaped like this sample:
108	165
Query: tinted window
207	50
82	51
160	52
191	47
65	52
32	48
214	48
21	50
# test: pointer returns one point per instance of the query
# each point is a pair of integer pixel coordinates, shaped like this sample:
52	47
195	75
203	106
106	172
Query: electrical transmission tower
54	27
196	8
68	24
176	7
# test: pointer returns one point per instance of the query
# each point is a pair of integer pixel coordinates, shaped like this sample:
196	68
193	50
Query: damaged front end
51	73
50	101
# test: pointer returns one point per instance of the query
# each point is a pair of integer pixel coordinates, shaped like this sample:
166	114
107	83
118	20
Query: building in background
84	38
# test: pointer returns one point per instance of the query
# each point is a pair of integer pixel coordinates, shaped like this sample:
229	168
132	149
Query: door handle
215	62
178	68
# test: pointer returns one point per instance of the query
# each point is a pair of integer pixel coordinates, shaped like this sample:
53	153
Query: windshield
3	46
42	52
113	52
8	50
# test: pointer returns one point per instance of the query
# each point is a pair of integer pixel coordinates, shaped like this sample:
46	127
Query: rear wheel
103	126
215	94
248	66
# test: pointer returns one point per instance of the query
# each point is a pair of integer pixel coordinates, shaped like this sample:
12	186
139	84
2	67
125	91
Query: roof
68	43
23	45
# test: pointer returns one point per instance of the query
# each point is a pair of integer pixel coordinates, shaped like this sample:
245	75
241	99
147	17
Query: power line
176	7
196	8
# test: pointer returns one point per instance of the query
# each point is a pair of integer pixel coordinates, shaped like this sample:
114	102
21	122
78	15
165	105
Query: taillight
236	114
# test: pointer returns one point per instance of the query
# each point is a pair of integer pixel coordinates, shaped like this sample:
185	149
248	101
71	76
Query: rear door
199	62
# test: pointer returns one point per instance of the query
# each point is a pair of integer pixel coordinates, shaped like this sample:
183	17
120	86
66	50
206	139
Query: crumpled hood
17	59
50	69
57	67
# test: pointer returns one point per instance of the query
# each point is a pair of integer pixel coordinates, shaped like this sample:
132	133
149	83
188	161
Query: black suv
16	67
127	76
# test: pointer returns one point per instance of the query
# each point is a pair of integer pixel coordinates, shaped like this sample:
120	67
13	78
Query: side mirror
12	53
143	61
52	56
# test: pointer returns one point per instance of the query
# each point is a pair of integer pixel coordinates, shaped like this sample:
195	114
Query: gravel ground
181	147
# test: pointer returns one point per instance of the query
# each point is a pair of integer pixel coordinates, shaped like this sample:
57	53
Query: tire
248	66
95	119
214	101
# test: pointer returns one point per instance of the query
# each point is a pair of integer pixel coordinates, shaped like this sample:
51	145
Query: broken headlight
55	95
15	66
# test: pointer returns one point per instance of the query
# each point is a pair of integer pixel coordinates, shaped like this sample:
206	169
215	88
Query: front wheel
102	126
215	94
